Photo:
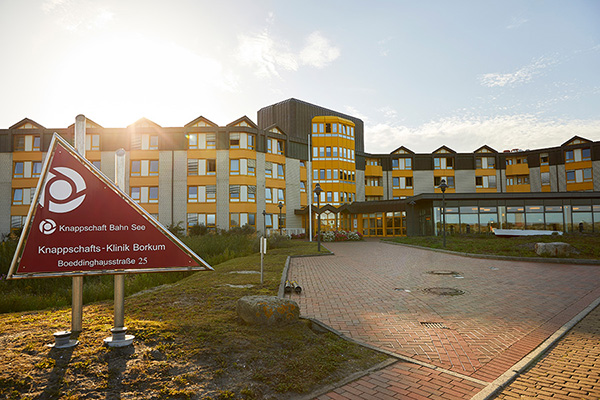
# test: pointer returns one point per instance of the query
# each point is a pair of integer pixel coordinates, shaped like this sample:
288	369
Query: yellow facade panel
202	180
578	165
19	210
206	208
151	208
242	153
143	181
275	183
517	169
27	156
242	180
143	155
207	154
577	187
485	172
373	170
525	188
373	190
243	207
24	183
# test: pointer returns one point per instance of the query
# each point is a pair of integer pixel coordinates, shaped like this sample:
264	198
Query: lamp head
443	186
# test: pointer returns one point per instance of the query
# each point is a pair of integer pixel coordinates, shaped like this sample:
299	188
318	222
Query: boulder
555	249
267	310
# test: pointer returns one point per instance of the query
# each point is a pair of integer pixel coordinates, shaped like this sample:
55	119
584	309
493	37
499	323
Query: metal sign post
119	338
77	294
263	251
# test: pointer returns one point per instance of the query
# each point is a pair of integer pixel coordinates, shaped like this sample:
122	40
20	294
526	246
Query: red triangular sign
80	223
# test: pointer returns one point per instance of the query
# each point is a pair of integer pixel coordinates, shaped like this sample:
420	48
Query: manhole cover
434	325
442	291
443	272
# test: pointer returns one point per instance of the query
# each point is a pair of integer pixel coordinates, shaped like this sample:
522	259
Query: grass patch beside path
586	244
189	344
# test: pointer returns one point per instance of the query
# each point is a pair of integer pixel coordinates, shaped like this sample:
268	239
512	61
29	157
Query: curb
530	359
504	258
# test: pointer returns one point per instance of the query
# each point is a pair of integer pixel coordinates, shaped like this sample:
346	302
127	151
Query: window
280	147
269	169
234	192
234	167
211	193
395	164
192	167
269	220
17	197
544	159
268	195
322	174
251	142
19	170
234	140
153	168
485	181
281	195
97	164
252	193
153	143
36	169
569	156
251	167
211	142
586	154
587	174
211	167
192	140
485	162
545	177
92	142
280	171
27	143
396	183
570	176
192	194
321	152
302	186
438	180
328	150
335	152
443	163
136	194
153	194
136	168
329	197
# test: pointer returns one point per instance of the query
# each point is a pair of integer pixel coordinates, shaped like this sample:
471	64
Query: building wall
180	187
423	182
535	179
464	181
165	187
360	185
223	189
292	193
596	174
5	191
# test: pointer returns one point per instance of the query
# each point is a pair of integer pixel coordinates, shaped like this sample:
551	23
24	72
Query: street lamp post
280	205
318	192
443	186
265	223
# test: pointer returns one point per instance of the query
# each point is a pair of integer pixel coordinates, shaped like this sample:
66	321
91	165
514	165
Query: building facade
260	174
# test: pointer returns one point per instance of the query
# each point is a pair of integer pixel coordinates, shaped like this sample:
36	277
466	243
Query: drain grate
442	291
443	272
434	325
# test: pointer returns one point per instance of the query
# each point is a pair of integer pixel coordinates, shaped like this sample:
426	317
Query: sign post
77	292
80	223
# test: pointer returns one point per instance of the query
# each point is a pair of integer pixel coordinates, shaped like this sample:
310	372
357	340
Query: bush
340	236
298	236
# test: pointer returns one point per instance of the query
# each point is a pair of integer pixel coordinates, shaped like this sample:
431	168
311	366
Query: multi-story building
260	174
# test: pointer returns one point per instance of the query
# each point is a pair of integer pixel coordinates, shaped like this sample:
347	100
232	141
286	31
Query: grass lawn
587	245
189	344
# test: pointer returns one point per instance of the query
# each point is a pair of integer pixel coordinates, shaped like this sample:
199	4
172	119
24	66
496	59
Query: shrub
340	236
298	236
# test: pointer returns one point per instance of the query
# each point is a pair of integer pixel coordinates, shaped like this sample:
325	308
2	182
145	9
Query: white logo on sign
64	190
47	226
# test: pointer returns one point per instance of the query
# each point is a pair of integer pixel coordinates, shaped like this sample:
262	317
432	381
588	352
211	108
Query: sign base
62	340
119	338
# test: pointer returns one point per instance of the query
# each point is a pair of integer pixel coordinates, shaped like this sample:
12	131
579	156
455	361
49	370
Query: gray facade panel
423	182
562	178
260	191
223	189
464	181
6	169
553	178
387	185
360	185
596	175
292	193
165	188
180	187
535	179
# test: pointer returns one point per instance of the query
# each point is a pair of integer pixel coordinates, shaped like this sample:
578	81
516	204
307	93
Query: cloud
466	134
73	15
265	54
269	56
517	22
318	52
522	75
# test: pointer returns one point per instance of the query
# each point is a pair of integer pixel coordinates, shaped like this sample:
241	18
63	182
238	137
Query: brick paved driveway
384	295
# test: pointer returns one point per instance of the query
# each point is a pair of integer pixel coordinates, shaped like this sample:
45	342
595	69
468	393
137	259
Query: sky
421	74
